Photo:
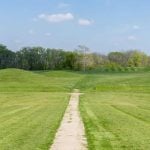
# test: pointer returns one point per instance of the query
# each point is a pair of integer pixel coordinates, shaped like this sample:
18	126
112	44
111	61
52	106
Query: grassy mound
32	105
15	80
116	110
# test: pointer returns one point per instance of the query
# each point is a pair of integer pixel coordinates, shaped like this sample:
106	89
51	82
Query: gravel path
70	135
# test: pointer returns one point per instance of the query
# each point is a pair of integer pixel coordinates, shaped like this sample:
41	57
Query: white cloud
85	22
63	5
132	38
48	34
56	18
31	32
136	27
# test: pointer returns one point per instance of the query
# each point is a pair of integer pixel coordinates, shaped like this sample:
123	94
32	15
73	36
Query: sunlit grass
116	111
32	105
115	108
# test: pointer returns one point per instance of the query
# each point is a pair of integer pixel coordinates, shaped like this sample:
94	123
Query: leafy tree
39	58
7	57
85	57
118	58
70	60
137	59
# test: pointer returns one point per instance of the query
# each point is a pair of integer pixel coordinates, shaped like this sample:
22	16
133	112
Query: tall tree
137	59
7	57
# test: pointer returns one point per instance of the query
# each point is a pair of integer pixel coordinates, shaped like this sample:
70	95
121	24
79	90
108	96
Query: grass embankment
116	110
31	107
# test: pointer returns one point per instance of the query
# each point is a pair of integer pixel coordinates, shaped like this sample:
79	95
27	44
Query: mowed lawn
32	105
116	111
115	108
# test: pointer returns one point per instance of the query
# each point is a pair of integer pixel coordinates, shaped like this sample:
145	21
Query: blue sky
101	25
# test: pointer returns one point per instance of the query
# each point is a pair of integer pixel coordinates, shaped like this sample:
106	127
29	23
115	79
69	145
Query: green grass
15	80
32	105
115	108
29	120
116	111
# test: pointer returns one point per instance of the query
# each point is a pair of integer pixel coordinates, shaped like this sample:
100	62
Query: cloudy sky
101	25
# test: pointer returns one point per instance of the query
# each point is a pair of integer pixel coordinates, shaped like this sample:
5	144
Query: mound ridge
16	80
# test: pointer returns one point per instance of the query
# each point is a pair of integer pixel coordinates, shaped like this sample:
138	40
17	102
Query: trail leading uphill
70	135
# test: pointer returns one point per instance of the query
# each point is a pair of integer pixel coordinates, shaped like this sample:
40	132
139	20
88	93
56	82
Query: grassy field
115	108
116	111
31	107
15	80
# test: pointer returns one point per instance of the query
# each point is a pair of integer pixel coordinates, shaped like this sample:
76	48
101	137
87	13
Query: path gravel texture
71	134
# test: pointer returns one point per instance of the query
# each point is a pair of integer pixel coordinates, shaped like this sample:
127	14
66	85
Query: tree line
39	58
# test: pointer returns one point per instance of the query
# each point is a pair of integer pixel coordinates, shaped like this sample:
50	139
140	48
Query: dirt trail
70	135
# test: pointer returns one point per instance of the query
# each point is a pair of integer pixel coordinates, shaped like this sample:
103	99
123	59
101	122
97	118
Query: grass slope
15	80
115	108
31	107
29	120
116	111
